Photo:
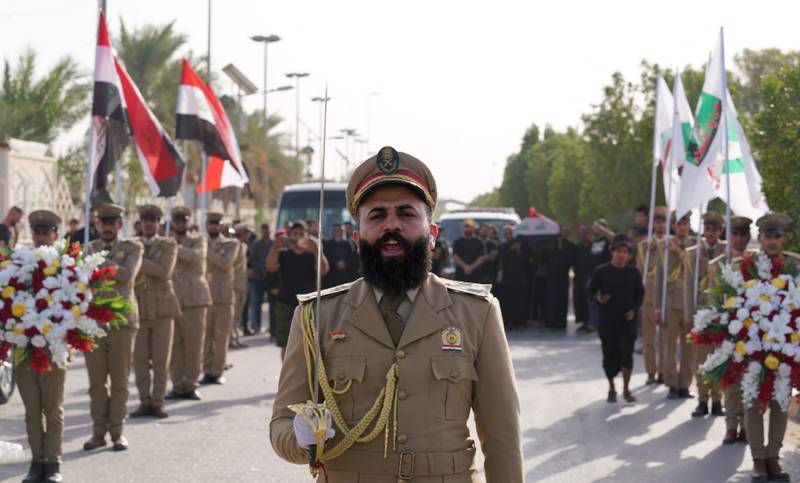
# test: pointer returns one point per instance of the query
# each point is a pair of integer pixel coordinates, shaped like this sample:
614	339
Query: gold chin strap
381	408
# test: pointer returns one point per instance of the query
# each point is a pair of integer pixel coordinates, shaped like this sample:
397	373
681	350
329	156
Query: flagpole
697	255
675	126
203	190
654	171
727	163
170	200
89	184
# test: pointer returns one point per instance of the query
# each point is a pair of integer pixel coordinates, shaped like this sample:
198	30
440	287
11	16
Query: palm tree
39	110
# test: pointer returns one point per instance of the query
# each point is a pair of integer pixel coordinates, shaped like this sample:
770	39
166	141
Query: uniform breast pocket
453	377
344	374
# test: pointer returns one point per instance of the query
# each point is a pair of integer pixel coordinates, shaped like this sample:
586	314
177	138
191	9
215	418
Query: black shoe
685	394
612	397
120	444
144	410
193	396
208	378
35	473
173	394
673	393
248	332
730	437
659	379
716	409
94	443
650	380
52	473
218	380
159	412
701	410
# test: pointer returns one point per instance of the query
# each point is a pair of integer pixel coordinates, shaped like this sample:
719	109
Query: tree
487	200
567	175
513	191
40	110
777	141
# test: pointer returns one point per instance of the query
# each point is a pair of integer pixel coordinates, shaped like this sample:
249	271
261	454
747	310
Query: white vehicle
301	202
451	223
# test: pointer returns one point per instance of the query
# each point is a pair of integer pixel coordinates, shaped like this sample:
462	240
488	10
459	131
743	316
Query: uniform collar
411	294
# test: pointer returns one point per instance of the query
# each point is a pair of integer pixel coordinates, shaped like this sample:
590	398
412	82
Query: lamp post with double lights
266	39
297	76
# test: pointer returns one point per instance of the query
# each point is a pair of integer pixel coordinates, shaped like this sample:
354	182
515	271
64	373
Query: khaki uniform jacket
221	256
437	388
654	273
240	269
675	275
707	253
127	256
154	284
189	277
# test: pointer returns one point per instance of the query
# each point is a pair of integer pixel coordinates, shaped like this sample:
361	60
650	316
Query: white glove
305	434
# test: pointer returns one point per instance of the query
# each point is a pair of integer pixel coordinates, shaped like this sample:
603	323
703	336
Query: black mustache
394	237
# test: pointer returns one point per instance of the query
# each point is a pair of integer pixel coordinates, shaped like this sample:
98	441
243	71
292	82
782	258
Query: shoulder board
794	255
691	248
477	289
721	258
306	297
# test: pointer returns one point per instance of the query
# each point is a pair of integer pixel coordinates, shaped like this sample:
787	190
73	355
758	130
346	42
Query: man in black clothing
619	292
515	287
469	255
258	277
440	256
8	228
583	262
492	263
601	253
342	257
78	235
556	301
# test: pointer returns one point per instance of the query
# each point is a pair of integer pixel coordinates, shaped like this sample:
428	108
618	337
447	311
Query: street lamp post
266	39
297	76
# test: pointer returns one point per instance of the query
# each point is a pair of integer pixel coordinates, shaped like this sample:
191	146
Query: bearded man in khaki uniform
438	345
191	288
158	307
221	256
111	359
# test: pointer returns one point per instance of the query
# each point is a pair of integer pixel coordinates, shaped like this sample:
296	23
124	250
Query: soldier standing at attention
158	308
111	359
439	345
221	256
710	248
766	457
240	285
191	288
43	392
652	275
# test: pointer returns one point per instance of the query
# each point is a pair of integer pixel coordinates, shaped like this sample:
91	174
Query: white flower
38	341
734	327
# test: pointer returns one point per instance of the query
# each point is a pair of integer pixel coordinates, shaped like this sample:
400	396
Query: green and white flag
681	132
706	148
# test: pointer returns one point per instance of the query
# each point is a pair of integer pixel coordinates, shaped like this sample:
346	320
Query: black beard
394	276
213	235
181	232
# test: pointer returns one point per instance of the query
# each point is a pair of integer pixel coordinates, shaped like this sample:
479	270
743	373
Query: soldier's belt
404	464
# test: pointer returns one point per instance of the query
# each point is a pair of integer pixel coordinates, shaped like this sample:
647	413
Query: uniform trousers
238	310
111	359
218	330
705	389
677	375
43	396
754	425
652	353
734	417
187	349
151	353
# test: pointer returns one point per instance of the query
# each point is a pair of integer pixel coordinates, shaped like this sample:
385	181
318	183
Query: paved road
570	432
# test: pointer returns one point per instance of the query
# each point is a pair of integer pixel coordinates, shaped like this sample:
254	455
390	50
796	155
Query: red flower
41	264
104	274
41	304
74	249
40	359
734	374
31	331
5	350
101	314
765	391
77	342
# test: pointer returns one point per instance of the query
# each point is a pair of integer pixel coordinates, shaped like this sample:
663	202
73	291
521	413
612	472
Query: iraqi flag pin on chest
452	339
337	335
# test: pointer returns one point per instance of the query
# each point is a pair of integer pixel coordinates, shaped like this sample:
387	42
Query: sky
455	83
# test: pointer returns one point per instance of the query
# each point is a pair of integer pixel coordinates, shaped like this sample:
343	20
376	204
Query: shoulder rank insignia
337	335
452	339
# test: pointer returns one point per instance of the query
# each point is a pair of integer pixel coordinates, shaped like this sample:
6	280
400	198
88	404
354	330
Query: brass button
402	438
402	395
400	480
454	374
400	353
341	376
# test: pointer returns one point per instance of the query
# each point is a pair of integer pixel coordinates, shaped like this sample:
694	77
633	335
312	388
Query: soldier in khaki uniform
652	295
158	307
191	288
766	458
43	392
111	359
734	414
710	247
441	341
241	284
677	374
222	253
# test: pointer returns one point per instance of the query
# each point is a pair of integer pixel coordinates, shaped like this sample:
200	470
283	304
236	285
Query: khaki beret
714	219
741	223
150	210
299	224
240	228
109	211
180	212
660	212
469	222
390	167
43	219
684	218
773	223
214	216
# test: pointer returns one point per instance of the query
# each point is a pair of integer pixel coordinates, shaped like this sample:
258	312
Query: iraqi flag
162	164
109	131
201	117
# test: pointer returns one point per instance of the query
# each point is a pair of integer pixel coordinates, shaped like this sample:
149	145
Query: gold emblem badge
452	339
388	160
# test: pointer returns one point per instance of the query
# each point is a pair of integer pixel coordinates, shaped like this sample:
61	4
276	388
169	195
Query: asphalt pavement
570	434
